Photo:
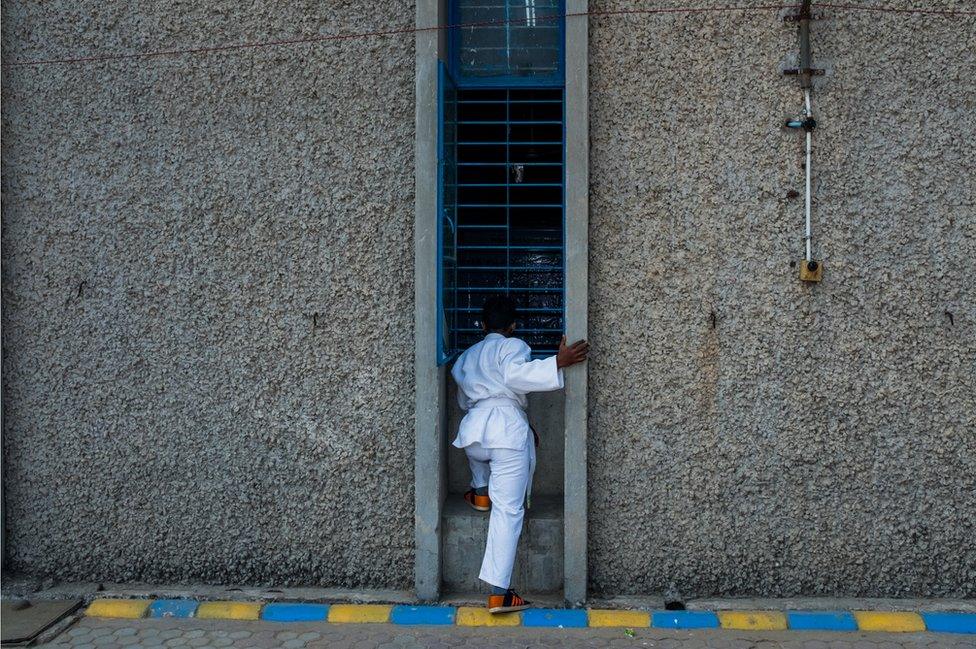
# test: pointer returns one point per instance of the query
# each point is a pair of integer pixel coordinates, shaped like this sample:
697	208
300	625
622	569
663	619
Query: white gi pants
508	474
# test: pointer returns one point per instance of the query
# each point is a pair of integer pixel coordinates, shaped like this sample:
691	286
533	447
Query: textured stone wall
207	301
808	439
208	294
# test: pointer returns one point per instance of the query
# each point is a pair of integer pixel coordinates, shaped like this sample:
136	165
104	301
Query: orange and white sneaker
481	503
507	603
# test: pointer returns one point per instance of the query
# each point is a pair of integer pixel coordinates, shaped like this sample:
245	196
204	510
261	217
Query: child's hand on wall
571	354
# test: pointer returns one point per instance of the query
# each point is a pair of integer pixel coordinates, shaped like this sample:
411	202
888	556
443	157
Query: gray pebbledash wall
208	295
208	301
817	439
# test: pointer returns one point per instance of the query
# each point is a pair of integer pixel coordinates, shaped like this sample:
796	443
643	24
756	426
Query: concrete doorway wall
559	523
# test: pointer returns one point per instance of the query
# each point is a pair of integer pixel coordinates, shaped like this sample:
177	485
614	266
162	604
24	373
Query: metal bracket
795	18
811	271
817	72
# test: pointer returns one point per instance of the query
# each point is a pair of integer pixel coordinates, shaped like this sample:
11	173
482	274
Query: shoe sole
477	508
508	609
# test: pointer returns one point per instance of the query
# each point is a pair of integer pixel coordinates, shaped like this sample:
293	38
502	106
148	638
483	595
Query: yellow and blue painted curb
887	621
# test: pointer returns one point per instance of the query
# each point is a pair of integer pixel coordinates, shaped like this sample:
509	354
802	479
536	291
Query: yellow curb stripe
360	613
892	622
603	617
477	616
753	620
229	610
127	608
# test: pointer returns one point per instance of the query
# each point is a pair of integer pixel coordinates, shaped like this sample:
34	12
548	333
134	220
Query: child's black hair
498	312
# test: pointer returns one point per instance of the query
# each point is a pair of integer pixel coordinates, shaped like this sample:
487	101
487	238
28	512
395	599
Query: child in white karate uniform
493	377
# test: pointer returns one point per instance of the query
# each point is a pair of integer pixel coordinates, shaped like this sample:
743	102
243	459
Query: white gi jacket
493	377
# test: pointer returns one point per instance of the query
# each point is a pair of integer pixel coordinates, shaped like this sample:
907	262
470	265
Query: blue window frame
447	210
501	171
507	43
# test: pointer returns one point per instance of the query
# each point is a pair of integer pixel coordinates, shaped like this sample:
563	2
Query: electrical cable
413	30
897	10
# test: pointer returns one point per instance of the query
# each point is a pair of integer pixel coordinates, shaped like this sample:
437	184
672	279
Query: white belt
503	402
496	402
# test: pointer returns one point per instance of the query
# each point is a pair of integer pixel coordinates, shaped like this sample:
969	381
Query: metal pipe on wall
805	73
807	200
806	82
811	270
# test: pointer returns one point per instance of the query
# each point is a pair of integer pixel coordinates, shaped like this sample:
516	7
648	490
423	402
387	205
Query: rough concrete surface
207	296
207	301
750	434
538	563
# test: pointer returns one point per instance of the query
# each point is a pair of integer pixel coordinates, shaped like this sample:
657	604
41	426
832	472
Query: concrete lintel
429	452
577	251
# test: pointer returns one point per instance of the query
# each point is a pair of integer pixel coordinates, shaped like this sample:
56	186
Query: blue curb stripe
937	622
553	617
950	622
684	620
422	615
173	608
283	612
821	621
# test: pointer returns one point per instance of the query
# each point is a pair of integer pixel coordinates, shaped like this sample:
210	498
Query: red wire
221	48
388	32
682	10
412	30
895	10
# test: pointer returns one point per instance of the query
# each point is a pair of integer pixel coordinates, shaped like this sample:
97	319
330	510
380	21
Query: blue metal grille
447	226
509	211
507	42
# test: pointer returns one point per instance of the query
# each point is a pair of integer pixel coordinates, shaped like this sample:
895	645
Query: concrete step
538	563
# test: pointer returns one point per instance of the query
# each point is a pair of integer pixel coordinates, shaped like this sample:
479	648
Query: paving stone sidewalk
95	633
